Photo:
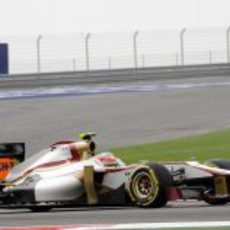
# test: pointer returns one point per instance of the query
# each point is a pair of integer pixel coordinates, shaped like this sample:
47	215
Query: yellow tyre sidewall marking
155	183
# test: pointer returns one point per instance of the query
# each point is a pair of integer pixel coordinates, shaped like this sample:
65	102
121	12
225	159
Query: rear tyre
149	185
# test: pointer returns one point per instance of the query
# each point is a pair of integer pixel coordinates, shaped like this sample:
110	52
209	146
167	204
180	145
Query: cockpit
109	160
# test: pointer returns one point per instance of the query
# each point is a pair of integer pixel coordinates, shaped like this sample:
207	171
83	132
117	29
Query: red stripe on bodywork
46	165
75	155
62	143
116	169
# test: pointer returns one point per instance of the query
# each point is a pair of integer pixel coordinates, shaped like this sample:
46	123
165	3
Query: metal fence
116	50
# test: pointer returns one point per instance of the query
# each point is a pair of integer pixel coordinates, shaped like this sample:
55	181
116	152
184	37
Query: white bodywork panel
58	189
66	169
190	171
115	179
212	170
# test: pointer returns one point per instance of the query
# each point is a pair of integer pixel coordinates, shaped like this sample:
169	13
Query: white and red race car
70	174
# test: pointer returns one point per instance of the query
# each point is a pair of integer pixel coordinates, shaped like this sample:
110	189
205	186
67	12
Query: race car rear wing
11	154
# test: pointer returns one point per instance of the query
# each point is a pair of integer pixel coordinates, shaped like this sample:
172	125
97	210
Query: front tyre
149	184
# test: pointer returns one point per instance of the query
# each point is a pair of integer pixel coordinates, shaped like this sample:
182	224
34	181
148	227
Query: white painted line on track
170	225
79	91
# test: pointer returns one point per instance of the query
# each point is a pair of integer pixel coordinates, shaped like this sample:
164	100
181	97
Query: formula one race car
70	174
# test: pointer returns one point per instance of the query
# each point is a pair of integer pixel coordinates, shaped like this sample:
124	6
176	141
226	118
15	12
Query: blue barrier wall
4	59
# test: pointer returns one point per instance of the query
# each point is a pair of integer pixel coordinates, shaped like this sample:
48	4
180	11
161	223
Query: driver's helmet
108	159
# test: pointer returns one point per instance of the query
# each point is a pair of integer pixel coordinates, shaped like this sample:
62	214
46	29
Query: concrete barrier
112	76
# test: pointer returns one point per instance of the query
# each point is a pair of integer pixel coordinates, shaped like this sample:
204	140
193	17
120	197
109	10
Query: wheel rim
143	185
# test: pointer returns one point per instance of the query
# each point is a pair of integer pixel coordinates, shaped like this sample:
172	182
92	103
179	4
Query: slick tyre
149	186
